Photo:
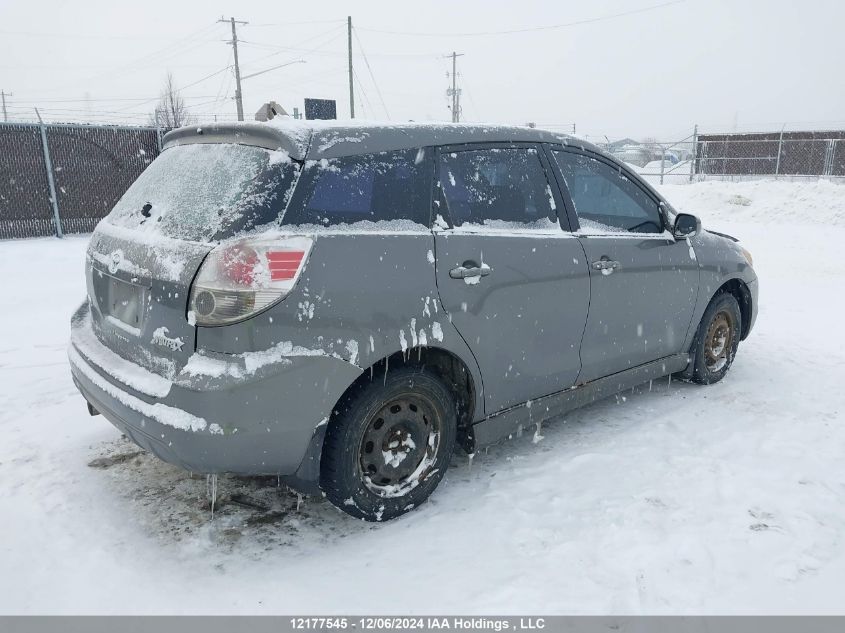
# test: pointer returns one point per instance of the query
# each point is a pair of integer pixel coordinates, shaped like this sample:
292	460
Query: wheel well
740	292
449	368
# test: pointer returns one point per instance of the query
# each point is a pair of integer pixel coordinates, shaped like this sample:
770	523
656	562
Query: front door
643	283
514	283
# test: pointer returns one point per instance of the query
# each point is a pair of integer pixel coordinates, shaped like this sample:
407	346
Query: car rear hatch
144	256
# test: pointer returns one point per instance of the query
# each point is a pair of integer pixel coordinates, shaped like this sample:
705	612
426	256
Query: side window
374	187
497	185
604	199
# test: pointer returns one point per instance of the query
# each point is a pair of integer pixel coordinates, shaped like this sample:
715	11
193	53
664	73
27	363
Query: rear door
643	283
513	281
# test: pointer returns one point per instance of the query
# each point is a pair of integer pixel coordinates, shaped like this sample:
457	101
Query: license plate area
122	303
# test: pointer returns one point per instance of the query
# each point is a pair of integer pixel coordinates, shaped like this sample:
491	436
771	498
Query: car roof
316	140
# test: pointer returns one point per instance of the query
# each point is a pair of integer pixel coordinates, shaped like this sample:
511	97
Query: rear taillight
242	278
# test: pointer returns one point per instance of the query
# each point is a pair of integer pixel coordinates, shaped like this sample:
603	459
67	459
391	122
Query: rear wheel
717	340
389	444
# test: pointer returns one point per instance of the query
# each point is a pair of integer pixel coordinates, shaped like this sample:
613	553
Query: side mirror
686	225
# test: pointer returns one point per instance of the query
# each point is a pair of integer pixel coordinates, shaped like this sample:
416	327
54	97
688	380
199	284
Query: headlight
747	256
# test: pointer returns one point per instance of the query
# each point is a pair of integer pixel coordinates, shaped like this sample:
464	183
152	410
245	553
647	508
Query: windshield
208	192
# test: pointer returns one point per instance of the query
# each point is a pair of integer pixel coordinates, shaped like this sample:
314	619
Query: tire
716	340
389	444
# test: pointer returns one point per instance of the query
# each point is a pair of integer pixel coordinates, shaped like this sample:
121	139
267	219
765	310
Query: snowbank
761	201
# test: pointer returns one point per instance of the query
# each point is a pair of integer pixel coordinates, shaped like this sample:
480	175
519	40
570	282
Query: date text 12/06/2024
433	623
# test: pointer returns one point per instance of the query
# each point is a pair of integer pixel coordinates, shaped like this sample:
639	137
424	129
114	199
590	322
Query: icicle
385	370
537	436
649	386
211	491
469	463
298	501
670	383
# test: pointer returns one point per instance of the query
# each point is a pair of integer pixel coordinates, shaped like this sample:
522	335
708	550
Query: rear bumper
263	423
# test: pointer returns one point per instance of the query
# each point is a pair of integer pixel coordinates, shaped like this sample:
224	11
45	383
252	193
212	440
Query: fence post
780	148
662	162
54	201
158	131
828	157
694	152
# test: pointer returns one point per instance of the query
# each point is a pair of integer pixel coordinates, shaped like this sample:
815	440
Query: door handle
605	265
467	272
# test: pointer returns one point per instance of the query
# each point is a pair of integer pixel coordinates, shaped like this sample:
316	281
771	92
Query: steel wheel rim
399	445
719	341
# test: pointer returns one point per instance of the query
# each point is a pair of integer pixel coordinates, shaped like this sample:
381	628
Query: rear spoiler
292	139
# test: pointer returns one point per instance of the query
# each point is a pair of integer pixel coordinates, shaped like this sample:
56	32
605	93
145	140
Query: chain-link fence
63	178
658	161
734	156
776	154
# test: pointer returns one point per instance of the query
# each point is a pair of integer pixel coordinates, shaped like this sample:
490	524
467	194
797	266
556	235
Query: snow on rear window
207	192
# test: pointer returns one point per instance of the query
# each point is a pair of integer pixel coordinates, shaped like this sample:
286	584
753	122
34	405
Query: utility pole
454	91
351	88
5	94
234	42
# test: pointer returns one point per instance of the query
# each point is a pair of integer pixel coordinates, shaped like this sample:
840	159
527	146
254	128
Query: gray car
343	305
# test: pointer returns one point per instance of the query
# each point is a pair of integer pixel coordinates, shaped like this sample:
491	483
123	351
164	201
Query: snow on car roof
315	140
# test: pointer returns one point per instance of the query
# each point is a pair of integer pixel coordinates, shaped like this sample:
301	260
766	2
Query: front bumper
263	423
754	291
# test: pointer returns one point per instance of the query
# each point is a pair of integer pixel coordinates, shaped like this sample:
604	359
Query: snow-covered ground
670	499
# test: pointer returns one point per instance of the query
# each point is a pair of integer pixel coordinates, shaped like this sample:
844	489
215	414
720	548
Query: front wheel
717	340
389	444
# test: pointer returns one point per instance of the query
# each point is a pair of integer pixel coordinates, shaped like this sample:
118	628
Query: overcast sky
654	72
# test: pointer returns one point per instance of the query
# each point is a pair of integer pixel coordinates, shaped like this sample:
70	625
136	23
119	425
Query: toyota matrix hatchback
343	305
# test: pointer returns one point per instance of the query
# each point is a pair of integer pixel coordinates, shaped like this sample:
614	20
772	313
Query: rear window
371	187
208	192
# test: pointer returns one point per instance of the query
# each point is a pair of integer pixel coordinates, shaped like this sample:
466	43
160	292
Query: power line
370	70
364	93
299	23
157	58
295	49
475	108
190	85
223	85
335	33
267	70
86	66
100	100
317	51
80	36
349	64
530	29
186	44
